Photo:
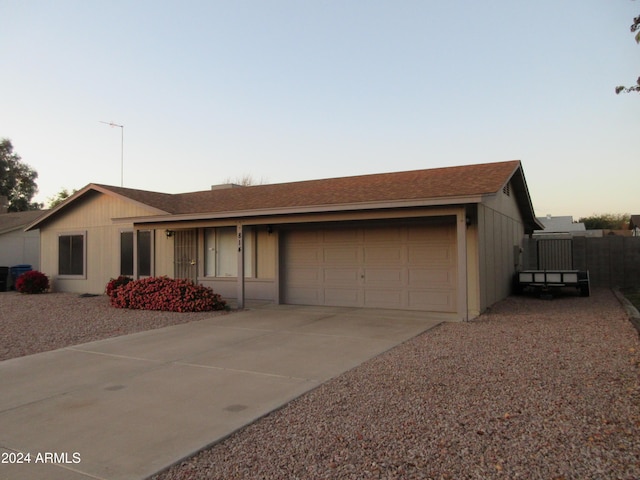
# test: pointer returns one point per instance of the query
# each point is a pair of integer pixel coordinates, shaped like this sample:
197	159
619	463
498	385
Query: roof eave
80	193
312	209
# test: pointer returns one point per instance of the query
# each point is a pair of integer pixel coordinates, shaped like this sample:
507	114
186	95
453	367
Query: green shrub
32	281
166	294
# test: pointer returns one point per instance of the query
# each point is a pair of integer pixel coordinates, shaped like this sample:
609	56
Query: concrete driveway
127	407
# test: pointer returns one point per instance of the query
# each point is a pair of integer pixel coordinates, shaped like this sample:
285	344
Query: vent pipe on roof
224	186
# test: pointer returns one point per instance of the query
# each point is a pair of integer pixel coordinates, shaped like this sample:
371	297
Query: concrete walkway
127	407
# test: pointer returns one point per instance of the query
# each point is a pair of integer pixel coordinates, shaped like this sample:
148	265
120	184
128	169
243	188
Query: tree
60	197
606	221
245	180
635	27
17	179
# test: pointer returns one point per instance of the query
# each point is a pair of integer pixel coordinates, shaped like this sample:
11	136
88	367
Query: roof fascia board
524	193
315	209
320	217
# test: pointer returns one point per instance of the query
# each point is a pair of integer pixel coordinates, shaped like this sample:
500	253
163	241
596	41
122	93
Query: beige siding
93	216
266	244
19	247
163	254
473	271
500	234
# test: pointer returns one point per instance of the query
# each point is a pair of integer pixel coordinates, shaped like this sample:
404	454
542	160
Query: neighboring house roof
13	221
561	224
438	186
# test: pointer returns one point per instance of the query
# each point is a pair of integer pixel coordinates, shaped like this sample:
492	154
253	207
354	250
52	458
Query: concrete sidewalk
127	407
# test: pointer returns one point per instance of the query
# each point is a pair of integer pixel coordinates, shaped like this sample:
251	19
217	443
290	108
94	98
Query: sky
284	90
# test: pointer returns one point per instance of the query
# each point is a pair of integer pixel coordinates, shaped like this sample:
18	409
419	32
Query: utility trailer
544	282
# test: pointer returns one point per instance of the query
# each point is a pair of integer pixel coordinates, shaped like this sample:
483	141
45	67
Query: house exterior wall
92	217
500	236
20	248
261	284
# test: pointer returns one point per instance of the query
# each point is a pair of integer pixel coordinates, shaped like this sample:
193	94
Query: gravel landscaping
36	323
535	389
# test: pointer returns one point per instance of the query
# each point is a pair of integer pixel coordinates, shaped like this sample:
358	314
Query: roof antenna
121	149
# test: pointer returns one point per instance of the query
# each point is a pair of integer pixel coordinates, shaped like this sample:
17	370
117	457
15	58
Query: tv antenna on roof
121	149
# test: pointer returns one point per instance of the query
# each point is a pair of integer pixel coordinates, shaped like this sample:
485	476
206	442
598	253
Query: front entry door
185	255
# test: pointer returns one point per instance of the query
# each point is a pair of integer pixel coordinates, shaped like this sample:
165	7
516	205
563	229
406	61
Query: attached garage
402	266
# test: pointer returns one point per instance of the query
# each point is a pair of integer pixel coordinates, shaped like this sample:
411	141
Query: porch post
240	287
461	234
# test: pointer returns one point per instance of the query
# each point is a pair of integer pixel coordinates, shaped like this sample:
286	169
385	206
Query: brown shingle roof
385	187
10	222
434	186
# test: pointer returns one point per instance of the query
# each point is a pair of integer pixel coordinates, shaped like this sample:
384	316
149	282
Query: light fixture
169	233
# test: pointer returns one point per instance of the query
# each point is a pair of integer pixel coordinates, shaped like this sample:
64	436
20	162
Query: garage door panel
384	276
383	298
429	255
382	235
383	255
435	300
347	276
341	296
304	296
305	275
422	277
443	233
341	255
403	267
304	255
347	235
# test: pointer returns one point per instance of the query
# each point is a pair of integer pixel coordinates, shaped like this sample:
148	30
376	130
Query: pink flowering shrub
32	281
167	294
116	283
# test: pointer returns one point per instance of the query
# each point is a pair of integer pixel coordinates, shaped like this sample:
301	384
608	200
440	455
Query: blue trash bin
18	270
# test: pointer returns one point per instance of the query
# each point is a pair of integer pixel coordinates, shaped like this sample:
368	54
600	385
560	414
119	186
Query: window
71	254
144	253
126	253
221	252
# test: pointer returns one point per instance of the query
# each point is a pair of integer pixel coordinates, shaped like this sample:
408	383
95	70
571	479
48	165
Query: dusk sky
300	90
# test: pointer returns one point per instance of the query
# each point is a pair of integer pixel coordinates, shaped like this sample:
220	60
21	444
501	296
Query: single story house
18	247
443	240
560	226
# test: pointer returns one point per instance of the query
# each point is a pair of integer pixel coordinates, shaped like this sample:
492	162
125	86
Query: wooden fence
612	261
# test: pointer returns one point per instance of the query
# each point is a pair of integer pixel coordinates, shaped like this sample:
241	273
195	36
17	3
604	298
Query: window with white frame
221	252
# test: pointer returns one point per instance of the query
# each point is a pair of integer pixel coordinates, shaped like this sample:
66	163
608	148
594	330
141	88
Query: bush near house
167	294
116	283
32	282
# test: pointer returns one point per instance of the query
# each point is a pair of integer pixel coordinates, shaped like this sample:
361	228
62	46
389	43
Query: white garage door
403	267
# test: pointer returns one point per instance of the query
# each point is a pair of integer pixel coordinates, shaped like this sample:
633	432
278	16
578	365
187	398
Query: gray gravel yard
36	323
535	389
